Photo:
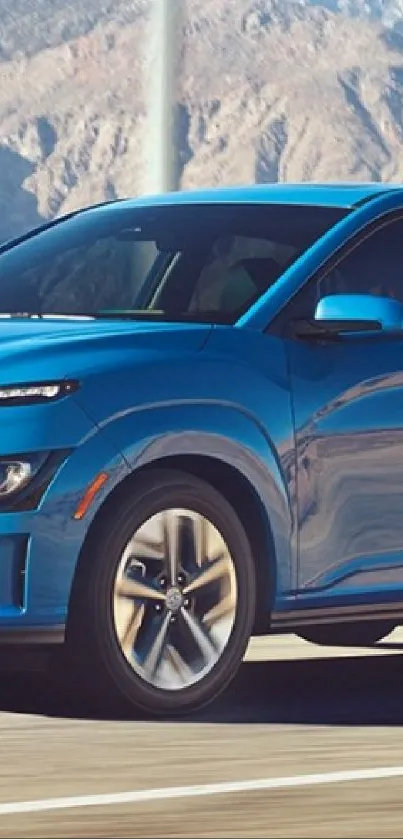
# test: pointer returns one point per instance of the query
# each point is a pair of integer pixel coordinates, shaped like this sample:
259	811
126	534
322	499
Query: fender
229	434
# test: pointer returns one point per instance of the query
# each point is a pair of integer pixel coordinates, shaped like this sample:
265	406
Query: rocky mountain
268	90
389	12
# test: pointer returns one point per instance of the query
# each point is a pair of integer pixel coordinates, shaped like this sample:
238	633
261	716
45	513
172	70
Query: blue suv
201	432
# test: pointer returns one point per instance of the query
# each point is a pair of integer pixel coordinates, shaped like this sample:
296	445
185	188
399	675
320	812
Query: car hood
50	348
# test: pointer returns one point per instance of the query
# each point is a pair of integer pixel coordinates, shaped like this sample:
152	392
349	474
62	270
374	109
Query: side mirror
339	314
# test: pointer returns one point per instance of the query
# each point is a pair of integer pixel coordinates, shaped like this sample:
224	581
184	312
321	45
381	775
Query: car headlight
17	471
14	476
24	478
28	394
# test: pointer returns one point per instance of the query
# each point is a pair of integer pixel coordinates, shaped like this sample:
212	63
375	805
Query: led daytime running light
36	392
47	392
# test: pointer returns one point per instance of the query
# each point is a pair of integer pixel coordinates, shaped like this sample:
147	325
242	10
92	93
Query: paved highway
294	710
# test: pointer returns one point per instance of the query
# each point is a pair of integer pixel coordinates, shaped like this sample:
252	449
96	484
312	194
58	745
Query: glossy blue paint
348	403
316	428
306	194
386	312
161	410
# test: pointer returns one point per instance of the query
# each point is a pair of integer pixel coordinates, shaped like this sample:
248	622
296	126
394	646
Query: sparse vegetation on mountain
269	90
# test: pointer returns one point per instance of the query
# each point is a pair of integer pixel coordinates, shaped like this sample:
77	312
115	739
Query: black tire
90	630
347	634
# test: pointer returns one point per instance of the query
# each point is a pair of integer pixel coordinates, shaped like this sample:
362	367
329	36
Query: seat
246	280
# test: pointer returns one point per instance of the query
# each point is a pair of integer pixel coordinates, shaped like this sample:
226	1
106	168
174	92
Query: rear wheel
164	602
347	634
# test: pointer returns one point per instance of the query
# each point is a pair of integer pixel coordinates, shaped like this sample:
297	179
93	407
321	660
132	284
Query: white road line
222	788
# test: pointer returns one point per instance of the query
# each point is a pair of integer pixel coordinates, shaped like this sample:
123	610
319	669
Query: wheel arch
242	496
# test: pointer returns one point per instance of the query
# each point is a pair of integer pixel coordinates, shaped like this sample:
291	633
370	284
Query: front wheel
164	602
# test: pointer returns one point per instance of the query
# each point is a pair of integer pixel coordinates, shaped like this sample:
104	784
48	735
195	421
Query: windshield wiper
46	315
131	314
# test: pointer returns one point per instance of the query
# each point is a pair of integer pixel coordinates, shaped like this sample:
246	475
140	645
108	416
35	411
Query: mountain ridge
269	90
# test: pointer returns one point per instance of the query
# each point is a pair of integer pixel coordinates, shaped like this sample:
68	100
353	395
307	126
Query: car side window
373	266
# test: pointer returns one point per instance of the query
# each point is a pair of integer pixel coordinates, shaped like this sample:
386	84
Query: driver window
374	266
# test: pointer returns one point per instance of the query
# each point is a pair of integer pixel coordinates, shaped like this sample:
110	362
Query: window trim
278	324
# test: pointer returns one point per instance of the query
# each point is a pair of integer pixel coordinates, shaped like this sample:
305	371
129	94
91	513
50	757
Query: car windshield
203	263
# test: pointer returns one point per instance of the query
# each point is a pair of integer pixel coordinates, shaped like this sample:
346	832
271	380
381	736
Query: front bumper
40	548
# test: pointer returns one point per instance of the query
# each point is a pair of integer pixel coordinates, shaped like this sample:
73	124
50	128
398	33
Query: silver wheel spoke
180	667
156	648
201	637
171	544
200	540
209	573
138	589
132	629
221	610
141	548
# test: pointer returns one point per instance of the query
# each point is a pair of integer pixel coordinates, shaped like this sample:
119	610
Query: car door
348	410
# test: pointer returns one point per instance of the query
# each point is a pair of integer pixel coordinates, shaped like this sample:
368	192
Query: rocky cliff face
268	91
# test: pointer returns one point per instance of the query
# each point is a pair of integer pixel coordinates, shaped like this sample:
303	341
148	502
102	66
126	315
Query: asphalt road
294	709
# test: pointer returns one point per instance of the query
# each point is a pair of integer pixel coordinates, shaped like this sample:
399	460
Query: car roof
343	195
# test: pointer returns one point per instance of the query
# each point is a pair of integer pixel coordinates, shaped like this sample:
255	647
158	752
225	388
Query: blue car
201	432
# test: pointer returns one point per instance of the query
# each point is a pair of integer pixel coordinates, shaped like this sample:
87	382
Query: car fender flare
229	434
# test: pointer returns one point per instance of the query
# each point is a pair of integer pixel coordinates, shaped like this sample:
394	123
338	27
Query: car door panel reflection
349	444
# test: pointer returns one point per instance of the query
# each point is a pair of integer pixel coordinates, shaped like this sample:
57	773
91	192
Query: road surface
294	710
